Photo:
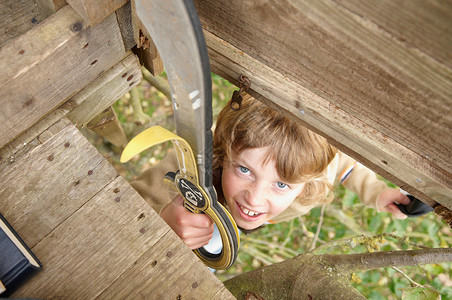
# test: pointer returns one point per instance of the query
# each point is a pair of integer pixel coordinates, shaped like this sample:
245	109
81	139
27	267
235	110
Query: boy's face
254	192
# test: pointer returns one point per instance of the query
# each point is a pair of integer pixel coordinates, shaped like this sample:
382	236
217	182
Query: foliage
322	228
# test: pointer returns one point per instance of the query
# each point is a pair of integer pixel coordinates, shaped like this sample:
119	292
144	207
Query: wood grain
108	126
80	109
95	11
17	17
105	90
52	62
168	262
47	185
387	104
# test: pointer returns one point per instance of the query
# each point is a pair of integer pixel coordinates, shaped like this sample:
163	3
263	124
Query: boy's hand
387	199
194	229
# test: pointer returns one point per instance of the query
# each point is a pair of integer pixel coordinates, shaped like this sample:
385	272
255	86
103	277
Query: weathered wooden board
124	17
105	90
147	51
95	11
424	25
81	108
91	230
43	188
107	126
165	261
49	7
377	98
17	17
49	63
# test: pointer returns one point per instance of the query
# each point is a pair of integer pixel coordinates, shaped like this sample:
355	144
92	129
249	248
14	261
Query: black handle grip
415	208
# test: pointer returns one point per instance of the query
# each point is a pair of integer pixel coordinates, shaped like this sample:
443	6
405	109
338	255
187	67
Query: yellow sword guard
187	167
156	135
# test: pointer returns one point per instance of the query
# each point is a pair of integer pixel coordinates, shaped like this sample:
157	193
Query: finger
189	232
392	208
403	199
198	242
201	221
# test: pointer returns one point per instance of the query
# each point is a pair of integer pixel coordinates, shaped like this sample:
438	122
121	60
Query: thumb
403	199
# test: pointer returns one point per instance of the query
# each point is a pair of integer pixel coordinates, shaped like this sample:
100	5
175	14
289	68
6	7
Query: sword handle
196	199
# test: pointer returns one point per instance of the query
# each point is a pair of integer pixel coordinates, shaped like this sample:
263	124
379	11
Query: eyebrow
242	162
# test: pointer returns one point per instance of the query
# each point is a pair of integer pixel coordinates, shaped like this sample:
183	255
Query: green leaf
420	293
349	199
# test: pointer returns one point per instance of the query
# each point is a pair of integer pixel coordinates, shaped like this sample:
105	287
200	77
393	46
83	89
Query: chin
248	226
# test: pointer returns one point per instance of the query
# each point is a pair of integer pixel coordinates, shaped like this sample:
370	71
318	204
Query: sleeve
150	185
359	179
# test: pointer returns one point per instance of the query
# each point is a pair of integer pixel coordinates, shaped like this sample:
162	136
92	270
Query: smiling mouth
249	212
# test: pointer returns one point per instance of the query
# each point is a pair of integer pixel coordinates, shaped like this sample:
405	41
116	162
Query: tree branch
159	83
139	117
375	260
309	276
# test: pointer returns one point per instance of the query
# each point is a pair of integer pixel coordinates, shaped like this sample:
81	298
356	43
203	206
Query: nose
255	194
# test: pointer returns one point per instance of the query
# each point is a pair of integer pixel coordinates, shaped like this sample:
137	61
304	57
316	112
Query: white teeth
249	212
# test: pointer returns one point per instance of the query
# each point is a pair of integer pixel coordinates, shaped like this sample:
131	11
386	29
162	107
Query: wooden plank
146	49
105	90
90	229
47	185
42	66
88	252
124	16
422	24
17	17
95	11
49	7
383	103
107	126
166	262
80	109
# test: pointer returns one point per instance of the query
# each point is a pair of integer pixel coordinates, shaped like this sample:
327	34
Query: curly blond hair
300	154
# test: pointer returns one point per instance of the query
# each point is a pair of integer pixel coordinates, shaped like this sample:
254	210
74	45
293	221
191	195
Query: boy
267	168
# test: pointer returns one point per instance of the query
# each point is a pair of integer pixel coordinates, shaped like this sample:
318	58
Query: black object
17	262
415	208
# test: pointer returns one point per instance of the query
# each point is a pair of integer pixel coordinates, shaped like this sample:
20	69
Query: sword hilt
196	199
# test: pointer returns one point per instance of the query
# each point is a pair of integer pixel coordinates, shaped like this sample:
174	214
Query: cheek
281	204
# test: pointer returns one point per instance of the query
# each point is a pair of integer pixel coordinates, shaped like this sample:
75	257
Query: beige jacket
360	180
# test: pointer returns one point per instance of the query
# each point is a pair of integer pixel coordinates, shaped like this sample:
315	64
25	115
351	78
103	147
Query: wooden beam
146	49
94	12
80	109
124	16
107	126
105	90
51	62
372	95
19	16
49	7
422	24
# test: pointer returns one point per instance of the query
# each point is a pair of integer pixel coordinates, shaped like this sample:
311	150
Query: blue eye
243	169
281	185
